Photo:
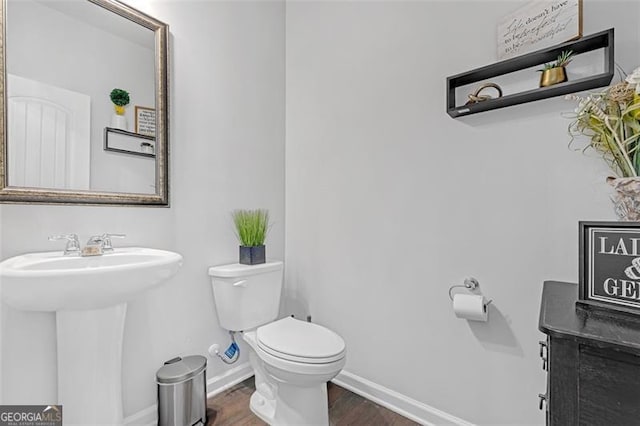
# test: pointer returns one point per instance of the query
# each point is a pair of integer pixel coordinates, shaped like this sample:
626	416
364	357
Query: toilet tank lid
236	270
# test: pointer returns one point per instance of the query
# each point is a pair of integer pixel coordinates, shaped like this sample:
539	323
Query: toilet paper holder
470	283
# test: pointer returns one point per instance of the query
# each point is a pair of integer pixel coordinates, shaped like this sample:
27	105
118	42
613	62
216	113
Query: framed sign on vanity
609	270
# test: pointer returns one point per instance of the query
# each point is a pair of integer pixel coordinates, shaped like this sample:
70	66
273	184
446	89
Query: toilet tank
246	296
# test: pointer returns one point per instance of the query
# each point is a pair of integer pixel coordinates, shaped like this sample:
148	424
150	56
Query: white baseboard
228	379
215	385
394	401
146	417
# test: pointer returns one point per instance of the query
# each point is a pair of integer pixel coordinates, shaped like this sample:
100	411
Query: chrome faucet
103	242
96	246
73	244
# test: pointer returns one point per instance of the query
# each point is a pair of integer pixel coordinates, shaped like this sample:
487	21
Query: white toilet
292	359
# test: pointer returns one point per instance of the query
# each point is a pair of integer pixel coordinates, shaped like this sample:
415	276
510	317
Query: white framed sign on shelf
537	25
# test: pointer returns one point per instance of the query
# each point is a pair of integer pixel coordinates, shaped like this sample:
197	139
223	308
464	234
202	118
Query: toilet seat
299	341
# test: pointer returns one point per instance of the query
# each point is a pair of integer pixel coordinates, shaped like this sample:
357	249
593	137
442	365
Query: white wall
389	201
227	124
227	152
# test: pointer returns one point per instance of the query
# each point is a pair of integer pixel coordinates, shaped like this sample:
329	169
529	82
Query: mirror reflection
80	81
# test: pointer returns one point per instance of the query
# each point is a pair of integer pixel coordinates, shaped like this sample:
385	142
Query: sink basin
49	281
89	296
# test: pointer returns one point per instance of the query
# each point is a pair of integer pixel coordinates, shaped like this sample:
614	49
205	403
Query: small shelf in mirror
125	142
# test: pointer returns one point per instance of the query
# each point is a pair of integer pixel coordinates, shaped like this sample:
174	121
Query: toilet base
261	407
293	407
281	403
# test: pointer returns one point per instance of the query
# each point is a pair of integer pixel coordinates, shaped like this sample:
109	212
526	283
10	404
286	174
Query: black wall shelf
125	142
602	40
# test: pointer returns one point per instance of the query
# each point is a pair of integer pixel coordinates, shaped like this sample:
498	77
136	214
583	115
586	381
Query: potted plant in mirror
120	99
251	229
555	72
609	120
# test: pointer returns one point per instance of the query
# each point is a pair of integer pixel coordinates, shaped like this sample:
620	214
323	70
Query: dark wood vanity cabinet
592	360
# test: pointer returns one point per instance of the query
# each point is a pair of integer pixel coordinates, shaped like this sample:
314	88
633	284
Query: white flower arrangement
610	120
634	79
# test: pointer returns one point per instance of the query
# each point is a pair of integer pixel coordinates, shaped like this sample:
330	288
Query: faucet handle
106	240
73	243
68	237
95	239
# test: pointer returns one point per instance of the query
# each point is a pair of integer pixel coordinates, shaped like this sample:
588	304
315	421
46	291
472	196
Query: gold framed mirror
84	111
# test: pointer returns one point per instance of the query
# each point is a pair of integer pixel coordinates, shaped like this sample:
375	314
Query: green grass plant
251	226
564	59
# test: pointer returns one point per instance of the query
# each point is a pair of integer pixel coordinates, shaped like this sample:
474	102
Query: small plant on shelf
563	60
251	229
555	72
120	99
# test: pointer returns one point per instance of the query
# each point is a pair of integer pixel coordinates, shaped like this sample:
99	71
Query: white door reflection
50	135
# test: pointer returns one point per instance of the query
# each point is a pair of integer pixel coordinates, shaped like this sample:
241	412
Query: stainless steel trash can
182	392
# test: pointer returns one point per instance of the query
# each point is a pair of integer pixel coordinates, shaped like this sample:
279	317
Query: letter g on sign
611	287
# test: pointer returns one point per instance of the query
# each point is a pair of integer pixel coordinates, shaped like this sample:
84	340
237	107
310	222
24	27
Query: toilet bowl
292	359
291	377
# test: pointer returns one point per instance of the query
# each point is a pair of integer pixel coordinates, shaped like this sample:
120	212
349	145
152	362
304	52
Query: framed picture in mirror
145	120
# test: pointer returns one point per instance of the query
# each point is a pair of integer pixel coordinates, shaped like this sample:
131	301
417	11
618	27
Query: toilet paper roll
470	306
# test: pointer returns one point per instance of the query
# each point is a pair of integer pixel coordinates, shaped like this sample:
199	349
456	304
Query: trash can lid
178	369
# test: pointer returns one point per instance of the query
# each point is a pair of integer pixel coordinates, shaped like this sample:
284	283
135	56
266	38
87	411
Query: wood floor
231	408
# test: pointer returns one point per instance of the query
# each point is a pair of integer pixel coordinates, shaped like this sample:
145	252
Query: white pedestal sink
89	296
